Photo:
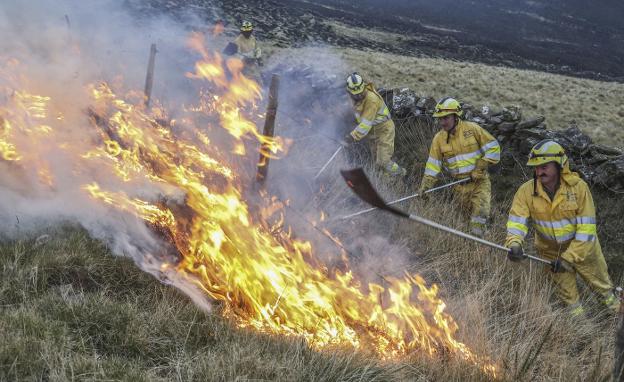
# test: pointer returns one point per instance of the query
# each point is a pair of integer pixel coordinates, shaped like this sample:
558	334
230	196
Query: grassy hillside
596	106
73	311
70	310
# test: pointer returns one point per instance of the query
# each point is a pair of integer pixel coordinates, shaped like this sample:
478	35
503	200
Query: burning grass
227	248
172	194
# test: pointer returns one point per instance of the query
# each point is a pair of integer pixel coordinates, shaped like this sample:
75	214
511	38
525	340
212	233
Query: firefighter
246	48
374	122
464	149
562	211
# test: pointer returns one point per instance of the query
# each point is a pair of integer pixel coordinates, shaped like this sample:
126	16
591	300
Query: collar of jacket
567	180
454	130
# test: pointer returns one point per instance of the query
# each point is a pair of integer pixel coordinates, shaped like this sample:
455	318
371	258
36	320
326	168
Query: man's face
246	34
548	174
357	97
447	122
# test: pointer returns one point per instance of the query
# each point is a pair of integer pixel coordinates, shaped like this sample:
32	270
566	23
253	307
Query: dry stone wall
598	164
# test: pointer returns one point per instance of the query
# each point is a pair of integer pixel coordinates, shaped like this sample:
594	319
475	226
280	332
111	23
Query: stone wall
598	164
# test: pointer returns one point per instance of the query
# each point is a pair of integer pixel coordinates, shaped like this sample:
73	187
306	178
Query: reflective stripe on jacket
565	226
459	152
369	112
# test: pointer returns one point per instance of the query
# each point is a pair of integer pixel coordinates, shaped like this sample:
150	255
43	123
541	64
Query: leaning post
149	78
268	131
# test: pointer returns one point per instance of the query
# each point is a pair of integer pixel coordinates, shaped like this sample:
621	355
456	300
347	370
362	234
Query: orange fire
236	253
218	28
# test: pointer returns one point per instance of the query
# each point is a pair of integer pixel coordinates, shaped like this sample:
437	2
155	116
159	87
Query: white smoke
60	47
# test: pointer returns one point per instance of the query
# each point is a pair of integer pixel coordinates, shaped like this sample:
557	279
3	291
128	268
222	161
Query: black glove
347	140
516	253
556	266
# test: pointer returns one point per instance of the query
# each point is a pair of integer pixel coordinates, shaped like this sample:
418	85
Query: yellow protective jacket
565	226
369	112
467	148
247	47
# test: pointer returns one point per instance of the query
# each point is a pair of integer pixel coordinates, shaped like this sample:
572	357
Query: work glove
427	183
348	140
477	174
480	171
516	253
556	266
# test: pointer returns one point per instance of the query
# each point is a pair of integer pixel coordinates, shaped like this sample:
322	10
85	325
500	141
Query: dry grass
504	310
69	310
85	314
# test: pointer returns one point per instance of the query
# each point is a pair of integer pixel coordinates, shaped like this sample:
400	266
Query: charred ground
564	37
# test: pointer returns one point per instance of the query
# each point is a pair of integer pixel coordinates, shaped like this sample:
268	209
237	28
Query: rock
485	110
601	153
496	120
507	128
427	104
598	149
611	174
573	140
530	123
511	114
586	171
528	144
477	120
404	102
535	132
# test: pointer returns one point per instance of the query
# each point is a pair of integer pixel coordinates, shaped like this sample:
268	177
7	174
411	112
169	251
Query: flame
218	28
235	252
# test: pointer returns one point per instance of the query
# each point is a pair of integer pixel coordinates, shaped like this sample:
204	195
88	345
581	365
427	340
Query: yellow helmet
446	106
246	26
547	151
355	84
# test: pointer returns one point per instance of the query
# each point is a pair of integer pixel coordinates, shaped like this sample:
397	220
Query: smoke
316	113
57	49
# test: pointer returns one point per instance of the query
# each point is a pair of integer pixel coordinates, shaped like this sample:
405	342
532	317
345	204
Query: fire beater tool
406	198
356	180
328	162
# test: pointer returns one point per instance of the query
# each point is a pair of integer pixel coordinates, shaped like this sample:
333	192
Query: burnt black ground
571	37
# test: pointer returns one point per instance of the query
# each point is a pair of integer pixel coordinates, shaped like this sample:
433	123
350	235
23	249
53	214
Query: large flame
236	252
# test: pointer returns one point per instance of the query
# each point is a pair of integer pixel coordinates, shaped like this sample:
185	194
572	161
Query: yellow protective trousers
593	270
381	143
474	198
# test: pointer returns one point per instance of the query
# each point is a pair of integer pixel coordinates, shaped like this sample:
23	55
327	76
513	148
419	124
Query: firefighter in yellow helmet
562	212
246	48
374	122
465	150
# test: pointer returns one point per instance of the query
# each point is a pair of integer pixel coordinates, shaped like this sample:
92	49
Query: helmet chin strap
448	133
